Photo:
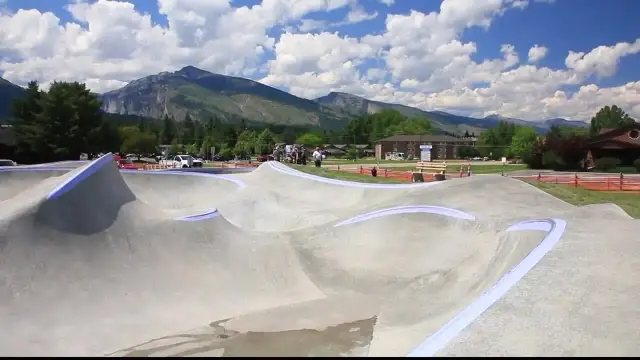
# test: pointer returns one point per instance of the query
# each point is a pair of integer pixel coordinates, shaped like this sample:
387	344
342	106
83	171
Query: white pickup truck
185	161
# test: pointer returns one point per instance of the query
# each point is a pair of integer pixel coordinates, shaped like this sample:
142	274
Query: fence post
385	172
539	177
575	179
468	169
338	167
621	181
461	168
608	183
361	170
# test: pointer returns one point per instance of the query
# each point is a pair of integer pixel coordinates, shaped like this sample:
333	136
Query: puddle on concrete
348	339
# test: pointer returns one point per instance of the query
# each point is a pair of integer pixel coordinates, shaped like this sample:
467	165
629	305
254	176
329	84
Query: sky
527	59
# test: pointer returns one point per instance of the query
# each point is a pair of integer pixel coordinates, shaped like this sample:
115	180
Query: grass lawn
365	162
629	202
332	174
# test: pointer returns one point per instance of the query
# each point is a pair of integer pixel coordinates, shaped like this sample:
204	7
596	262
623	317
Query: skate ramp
98	261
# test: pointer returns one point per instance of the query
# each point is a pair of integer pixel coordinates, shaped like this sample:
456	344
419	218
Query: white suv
186	161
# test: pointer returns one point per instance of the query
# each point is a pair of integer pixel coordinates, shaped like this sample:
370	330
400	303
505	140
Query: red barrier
595	183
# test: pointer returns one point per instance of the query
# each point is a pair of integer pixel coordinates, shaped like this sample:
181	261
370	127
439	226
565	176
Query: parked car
186	161
263	158
126	164
7	162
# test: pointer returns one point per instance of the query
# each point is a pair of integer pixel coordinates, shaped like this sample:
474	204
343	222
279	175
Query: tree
168	130
609	117
495	142
188	132
205	149
522	142
265	143
175	147
192	149
58	124
564	131
27	130
225	153
246	144
136	141
105	138
310	139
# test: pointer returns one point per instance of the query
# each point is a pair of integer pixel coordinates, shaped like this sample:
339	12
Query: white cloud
537	53
355	15
420	59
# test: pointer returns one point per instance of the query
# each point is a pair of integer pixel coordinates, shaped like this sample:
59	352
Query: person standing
317	157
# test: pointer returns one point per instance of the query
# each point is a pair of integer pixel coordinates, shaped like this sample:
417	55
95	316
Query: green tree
168	130
175	147
225	153
609	117
495	142
565	131
522	143
26	127
105	138
265	143
136	141
246	144
192	149
205	149
58	124
310	139
188	132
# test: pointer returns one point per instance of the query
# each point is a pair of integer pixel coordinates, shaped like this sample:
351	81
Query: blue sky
561	26
578	25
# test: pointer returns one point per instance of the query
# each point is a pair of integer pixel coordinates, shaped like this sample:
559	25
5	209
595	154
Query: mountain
8	92
203	94
442	121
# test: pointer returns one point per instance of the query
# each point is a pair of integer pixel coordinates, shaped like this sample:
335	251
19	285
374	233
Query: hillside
203	94
443	121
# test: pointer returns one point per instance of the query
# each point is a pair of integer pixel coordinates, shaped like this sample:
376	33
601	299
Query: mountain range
203	94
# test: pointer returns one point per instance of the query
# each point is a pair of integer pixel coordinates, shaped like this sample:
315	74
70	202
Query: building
443	146
623	144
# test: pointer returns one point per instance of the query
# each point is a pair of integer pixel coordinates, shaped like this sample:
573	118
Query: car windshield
185	157
6	163
126	161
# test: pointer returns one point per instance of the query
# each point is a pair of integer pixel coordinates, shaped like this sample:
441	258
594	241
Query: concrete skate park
275	262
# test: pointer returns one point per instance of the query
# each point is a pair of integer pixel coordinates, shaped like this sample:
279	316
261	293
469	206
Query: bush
636	163
551	160
607	163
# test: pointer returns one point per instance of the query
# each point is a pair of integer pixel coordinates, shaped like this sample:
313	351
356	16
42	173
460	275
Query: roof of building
426	138
612	134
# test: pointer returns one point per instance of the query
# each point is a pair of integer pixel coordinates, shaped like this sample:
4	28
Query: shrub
551	160
607	163
636	163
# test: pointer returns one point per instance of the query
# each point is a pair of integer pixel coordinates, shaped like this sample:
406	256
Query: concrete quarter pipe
96	261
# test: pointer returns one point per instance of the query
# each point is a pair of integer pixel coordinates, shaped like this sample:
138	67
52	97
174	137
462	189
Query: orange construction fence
597	183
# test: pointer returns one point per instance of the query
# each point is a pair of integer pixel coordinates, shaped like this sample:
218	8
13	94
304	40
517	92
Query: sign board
425	152
504	160
213	152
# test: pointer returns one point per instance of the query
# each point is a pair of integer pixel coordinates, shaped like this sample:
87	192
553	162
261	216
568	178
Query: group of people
297	155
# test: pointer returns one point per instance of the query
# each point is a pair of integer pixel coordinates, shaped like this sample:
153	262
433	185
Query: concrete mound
96	261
